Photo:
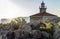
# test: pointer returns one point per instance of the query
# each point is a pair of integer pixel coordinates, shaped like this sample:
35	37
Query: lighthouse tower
42	8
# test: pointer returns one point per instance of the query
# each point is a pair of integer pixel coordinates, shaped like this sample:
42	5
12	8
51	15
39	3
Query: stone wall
38	19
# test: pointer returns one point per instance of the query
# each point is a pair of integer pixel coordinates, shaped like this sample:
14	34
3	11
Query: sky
26	8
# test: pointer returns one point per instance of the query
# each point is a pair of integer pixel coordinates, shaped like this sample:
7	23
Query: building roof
43	14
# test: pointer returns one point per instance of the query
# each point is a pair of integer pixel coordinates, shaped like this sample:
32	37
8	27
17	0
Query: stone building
42	16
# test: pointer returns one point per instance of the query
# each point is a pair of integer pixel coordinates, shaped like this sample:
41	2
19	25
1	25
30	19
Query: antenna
42	0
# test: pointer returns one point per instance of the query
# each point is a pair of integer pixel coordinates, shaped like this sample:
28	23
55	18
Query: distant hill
5	21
